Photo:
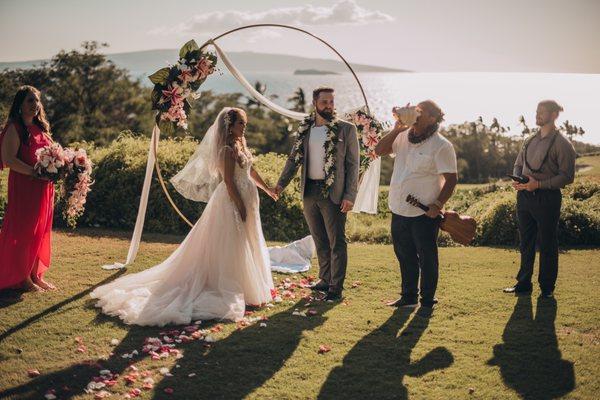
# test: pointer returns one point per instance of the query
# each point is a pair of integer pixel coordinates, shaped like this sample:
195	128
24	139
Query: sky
427	35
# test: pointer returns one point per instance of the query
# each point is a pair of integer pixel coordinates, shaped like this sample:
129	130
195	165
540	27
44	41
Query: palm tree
298	100
260	88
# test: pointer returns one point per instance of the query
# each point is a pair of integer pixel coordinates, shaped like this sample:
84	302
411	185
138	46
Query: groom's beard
326	114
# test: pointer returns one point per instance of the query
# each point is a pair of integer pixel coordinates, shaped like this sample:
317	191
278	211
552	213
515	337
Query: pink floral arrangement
175	86
74	169
51	162
369	132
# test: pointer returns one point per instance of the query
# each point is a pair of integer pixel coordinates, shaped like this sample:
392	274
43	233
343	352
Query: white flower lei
329	146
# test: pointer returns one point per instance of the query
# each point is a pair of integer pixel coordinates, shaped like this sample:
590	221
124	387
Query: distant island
313	72
143	63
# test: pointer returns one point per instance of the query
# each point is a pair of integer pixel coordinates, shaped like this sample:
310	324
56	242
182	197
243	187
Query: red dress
27	226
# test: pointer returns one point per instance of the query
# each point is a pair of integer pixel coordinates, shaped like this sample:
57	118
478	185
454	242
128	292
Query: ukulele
461	228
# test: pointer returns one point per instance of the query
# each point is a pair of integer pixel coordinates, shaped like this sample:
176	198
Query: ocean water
462	96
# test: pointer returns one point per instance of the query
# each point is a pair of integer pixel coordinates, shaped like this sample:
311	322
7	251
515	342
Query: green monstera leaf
189	46
160	77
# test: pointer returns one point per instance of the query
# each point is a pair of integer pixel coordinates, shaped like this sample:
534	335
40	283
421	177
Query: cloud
343	12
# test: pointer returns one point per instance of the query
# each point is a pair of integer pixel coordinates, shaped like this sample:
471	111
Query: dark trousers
415	245
327	225
538	214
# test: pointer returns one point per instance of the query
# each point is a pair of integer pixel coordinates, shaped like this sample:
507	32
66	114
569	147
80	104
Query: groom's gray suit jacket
347	158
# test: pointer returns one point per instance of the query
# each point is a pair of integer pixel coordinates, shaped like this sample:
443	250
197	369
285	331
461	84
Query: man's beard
542	122
328	115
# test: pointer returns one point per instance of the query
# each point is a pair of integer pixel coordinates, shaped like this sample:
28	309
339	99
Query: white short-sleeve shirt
418	170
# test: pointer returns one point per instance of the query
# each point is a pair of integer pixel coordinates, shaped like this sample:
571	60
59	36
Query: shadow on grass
230	368
376	365
55	307
529	359
8	297
242	362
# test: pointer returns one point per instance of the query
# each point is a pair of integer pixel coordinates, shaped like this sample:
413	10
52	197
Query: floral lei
329	146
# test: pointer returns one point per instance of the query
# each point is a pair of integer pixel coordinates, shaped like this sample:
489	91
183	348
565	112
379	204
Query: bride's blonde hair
231	117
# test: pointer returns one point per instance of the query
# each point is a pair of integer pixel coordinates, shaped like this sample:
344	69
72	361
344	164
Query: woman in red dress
27	226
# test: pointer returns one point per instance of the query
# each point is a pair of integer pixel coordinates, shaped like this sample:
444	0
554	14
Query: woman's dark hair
14	115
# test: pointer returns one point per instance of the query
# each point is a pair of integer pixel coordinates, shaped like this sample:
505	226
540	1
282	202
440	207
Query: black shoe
425	311
333	296
403	302
320	286
517	291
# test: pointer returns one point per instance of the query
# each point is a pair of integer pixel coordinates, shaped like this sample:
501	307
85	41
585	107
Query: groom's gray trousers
327	225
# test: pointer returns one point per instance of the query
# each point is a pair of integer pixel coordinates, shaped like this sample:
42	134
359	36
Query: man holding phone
547	164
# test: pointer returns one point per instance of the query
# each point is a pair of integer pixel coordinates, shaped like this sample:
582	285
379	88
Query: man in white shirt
425	167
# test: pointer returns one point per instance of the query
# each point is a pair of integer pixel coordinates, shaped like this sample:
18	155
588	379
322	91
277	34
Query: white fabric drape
366	200
368	191
141	216
294	257
259	97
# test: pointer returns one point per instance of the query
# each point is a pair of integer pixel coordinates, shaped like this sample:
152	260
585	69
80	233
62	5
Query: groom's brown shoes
320	286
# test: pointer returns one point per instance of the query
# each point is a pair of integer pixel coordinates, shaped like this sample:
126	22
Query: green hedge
119	174
494	208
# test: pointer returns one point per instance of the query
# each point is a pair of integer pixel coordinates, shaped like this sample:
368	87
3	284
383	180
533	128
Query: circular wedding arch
208	42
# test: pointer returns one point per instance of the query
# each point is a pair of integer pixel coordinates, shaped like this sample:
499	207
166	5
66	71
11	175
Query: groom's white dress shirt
316	152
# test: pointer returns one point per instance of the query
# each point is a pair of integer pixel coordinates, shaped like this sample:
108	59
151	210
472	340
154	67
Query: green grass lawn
479	344
589	165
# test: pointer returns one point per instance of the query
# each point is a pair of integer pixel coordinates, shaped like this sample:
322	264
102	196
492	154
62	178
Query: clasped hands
345	207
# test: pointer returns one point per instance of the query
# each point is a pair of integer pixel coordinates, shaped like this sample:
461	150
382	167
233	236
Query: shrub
119	174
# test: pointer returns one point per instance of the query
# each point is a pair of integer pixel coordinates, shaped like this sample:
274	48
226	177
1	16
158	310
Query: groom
328	151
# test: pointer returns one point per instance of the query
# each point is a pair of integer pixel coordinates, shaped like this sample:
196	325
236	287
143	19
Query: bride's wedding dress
222	265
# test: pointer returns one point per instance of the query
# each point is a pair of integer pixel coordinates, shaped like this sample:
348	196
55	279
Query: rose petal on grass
101	394
32	373
324	349
169	390
114	342
209	339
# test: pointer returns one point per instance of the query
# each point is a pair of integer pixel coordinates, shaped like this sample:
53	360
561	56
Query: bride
223	263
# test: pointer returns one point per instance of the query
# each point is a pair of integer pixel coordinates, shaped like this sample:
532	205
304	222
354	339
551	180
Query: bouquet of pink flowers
51	162
73	168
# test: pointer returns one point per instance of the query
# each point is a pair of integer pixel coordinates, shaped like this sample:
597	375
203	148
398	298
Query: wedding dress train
222	265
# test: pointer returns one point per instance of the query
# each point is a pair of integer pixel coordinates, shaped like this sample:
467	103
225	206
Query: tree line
88	98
